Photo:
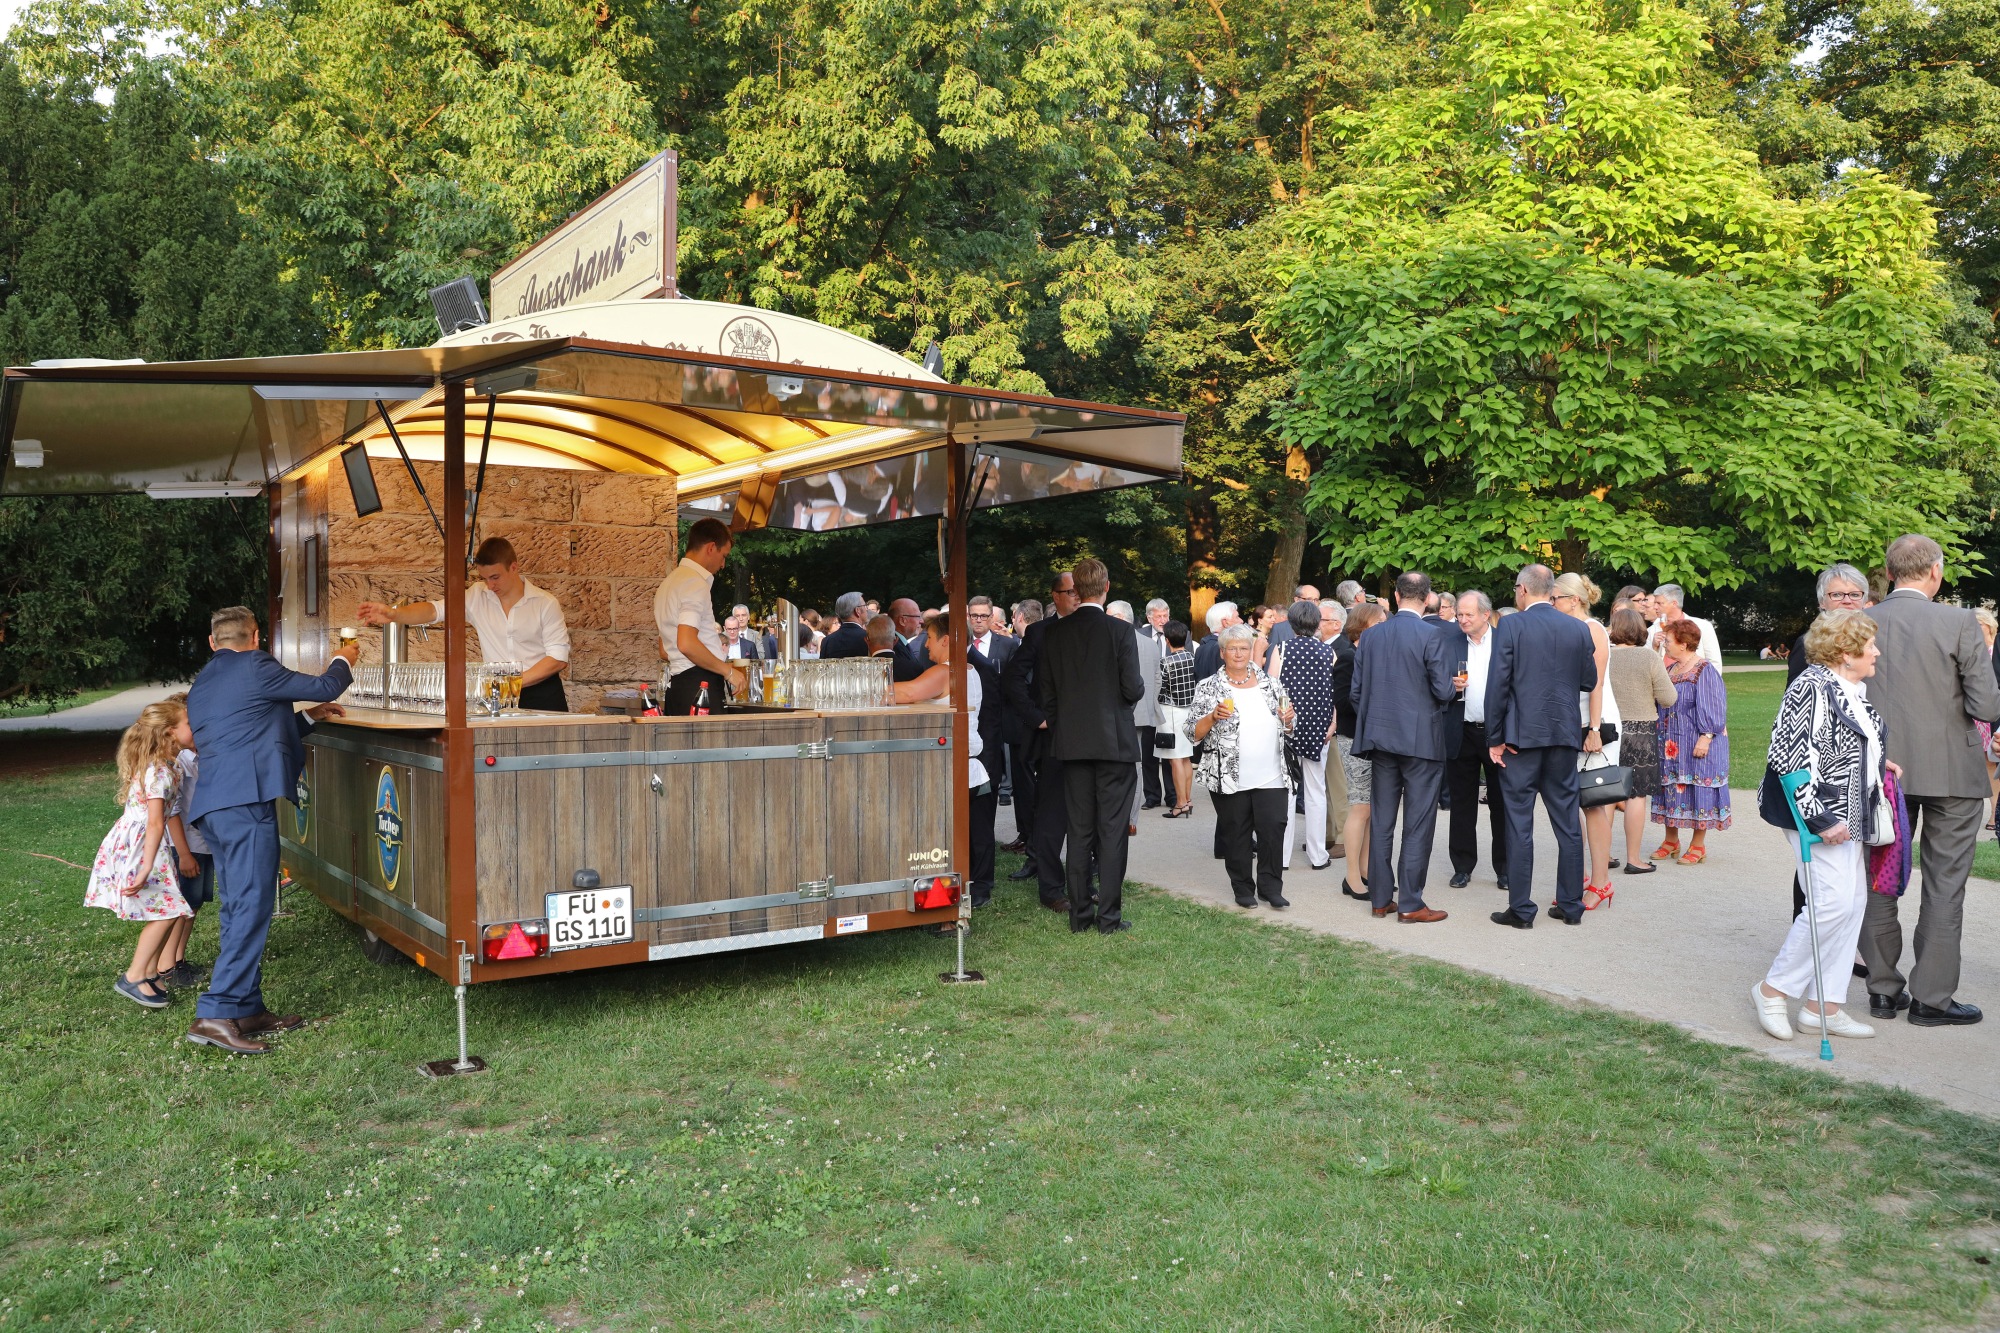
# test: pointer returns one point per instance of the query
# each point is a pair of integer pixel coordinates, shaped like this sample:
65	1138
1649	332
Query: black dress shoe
1279	900
1149	805
1118	927
1888	1006
1077	927
1018	845
1459	881
1025	872
1242	901
1057	905
1576	920
1952	1015
1005	800
1504	888
1509	919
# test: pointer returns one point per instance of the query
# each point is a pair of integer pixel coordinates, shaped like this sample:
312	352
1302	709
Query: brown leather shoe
223	1033
1422	914
1381	911
256	1025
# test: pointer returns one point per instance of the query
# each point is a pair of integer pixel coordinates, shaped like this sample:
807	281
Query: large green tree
1549	308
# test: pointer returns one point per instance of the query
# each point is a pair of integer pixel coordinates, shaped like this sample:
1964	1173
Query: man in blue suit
1402	682
248	736
1542	661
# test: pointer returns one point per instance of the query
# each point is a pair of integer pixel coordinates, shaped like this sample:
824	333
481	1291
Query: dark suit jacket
992	707
1796	662
901	668
850	640
1542	660
1088	679
1401	685
1343	685
240	707
1024	714
1456	643
917	650
1207	657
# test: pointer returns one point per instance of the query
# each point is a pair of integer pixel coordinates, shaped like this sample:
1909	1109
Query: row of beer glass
847	682
418	687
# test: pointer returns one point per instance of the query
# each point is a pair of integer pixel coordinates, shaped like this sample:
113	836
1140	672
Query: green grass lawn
1204	1124
73	701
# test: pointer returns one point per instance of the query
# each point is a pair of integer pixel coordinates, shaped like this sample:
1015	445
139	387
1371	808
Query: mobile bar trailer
455	837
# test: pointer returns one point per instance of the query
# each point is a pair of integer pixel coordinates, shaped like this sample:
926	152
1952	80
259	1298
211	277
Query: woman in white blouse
1243	716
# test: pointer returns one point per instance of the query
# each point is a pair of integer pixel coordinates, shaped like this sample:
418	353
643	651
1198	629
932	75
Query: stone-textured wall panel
624	498
586	603
382	541
610	657
542	548
512	493
621	552
632	603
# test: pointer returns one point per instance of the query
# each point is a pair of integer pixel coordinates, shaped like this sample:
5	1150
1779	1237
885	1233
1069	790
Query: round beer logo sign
302	808
388	829
750	338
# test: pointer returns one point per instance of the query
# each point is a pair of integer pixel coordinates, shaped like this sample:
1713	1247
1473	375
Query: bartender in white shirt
517	622
690	639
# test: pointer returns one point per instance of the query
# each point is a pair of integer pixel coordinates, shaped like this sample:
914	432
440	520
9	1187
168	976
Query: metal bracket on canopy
415	480
479	479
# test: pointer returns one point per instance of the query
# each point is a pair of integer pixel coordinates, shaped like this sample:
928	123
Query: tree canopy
1549	307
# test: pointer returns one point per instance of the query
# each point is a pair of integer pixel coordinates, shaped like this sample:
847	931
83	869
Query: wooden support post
461	857
274	575
956	492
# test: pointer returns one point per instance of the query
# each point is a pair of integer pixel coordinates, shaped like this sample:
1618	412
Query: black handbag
1163	739
1607	784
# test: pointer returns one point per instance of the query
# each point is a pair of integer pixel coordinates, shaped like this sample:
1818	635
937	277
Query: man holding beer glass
517	622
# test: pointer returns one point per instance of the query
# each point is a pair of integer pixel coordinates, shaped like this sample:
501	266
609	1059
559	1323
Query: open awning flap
711	421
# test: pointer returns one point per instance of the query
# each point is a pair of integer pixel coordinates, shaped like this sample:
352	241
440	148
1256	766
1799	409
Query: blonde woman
1597	710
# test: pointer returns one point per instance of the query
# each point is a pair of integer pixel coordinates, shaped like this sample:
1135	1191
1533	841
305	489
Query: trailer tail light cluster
505	941
936	891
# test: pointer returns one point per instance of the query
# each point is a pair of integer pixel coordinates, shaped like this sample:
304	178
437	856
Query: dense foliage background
1178	203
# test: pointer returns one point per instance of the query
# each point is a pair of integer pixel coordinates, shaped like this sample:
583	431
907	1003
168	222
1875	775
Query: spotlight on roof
458	306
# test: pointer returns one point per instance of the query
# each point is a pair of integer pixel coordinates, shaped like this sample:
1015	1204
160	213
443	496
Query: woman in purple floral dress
1694	749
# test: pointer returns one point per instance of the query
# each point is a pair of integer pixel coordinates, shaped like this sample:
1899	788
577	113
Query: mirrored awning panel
840	448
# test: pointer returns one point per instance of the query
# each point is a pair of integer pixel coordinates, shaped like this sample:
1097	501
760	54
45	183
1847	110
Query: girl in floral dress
1694	749
133	875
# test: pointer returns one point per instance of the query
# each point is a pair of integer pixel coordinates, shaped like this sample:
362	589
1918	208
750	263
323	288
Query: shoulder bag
1606	784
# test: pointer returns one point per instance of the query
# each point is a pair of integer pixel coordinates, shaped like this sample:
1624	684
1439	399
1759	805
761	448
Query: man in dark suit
882	643
1088	680
1208	653
1469	640
910	638
1542	660
1155	778
1049	821
240	707
851	638
1401	685
1281	631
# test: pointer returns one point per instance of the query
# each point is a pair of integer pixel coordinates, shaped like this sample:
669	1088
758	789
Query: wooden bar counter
734	831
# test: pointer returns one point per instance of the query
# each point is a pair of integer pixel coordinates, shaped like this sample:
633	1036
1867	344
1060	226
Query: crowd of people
1333	725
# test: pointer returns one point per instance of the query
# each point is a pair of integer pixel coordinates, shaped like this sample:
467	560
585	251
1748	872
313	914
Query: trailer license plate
581	918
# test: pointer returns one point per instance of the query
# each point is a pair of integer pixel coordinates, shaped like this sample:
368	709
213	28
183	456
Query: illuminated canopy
837	447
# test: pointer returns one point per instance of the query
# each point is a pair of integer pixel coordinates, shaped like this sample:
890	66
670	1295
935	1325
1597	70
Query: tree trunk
1571	552
1290	551
1203	576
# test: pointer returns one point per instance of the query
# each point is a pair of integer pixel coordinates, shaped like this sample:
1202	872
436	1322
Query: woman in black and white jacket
1827	727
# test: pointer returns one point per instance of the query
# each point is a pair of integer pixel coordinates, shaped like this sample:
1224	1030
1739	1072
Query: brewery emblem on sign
388	828
301	808
750	338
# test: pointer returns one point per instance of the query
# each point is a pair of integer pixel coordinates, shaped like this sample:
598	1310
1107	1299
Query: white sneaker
1773	1012
1837	1023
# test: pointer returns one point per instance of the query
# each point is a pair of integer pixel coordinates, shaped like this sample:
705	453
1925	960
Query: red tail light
936	891
504	941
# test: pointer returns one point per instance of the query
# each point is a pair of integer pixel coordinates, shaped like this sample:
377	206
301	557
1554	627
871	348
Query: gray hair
1123	610
1237	633
1536	580
845	605
1911	557
1485	602
1332	613
1303	618
1157	604
1348	593
1838	572
1672	592
1216	613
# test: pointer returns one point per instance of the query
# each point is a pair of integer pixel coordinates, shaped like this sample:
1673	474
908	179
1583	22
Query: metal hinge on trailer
815	750
815	888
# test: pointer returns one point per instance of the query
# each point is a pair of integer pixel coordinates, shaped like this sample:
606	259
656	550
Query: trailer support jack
964	924
465	1064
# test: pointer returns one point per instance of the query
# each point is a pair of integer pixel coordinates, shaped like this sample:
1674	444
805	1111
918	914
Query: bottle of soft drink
701	708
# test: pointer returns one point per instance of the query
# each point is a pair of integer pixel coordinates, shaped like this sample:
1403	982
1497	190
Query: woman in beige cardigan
1639	681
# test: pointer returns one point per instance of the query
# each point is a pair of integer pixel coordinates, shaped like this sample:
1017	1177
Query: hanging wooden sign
618	247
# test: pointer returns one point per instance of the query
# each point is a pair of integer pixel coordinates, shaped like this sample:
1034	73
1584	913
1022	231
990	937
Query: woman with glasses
1841	587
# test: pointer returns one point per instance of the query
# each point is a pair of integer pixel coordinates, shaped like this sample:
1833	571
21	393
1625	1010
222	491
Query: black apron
684	689
546	695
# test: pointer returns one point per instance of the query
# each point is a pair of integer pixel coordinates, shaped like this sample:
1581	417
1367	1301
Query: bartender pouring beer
517	622
690	639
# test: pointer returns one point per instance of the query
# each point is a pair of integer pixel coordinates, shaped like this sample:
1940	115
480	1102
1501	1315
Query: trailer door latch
815	888
814	750
659	787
